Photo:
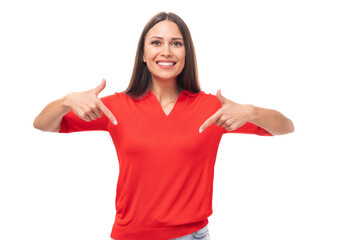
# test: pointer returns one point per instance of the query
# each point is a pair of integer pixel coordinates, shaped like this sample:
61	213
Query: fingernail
115	122
201	130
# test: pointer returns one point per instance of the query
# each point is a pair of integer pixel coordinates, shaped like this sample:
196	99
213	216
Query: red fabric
166	167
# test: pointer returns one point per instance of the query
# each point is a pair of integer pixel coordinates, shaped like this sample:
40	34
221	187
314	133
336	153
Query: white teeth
166	63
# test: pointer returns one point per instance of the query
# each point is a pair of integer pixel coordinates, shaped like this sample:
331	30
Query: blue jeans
202	234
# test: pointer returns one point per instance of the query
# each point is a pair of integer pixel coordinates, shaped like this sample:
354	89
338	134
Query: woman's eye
155	42
158	43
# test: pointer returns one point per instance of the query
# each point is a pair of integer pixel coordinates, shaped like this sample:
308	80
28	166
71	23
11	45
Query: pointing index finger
208	122
107	112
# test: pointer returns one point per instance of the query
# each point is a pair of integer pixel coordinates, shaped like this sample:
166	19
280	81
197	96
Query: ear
144	60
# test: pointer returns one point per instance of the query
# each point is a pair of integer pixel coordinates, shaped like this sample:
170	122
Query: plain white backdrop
299	57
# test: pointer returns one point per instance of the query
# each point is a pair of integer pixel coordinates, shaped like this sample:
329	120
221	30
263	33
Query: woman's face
164	51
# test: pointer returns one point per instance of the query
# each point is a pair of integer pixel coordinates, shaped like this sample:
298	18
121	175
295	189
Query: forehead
164	29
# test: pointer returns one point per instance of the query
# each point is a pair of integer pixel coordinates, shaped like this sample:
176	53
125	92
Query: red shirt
166	167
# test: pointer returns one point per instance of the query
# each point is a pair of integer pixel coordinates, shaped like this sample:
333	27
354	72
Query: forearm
50	117
271	120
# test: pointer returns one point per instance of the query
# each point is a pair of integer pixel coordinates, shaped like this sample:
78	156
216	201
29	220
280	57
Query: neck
165	91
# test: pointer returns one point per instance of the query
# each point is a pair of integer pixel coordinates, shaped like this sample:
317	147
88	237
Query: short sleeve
72	123
250	128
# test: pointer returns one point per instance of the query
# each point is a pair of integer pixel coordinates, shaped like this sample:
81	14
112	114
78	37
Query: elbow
286	129
291	127
35	124
38	126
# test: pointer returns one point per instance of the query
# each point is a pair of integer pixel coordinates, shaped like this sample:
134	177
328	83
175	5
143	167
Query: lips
166	63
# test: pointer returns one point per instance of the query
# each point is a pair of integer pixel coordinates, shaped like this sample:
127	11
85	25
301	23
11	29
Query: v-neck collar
173	111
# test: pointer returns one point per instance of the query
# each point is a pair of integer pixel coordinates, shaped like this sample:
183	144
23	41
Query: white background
299	57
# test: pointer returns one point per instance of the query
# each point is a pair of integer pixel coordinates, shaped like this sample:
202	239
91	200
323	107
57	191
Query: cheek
147	54
183	59
151	52
182	54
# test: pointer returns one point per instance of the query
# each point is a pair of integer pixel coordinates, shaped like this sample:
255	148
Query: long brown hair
141	77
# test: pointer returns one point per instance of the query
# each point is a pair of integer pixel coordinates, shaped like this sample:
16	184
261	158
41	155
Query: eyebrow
176	38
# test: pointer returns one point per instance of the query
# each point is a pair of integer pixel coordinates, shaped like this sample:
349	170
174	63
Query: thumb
99	88
222	99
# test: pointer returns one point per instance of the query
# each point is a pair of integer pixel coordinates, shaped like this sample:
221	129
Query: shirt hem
119	233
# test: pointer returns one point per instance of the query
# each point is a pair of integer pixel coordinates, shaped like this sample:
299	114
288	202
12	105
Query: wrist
65	101
252	115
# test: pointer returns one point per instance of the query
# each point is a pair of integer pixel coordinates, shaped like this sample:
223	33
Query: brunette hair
141	76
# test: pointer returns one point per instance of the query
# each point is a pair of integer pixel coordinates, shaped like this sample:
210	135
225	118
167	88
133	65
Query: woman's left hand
230	116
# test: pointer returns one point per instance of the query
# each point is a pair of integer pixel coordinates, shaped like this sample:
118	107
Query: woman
162	128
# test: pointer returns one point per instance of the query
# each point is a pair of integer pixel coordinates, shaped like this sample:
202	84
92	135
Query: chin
165	77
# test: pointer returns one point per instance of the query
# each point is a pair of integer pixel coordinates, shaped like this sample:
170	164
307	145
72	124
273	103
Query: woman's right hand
87	106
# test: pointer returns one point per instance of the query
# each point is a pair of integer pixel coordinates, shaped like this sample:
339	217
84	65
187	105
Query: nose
166	51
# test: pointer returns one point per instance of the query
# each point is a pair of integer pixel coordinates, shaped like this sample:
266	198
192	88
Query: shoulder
201	93
116	95
211	98
110	97
208	101
114	99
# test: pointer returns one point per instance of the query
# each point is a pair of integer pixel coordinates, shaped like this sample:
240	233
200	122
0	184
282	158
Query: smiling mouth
166	63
